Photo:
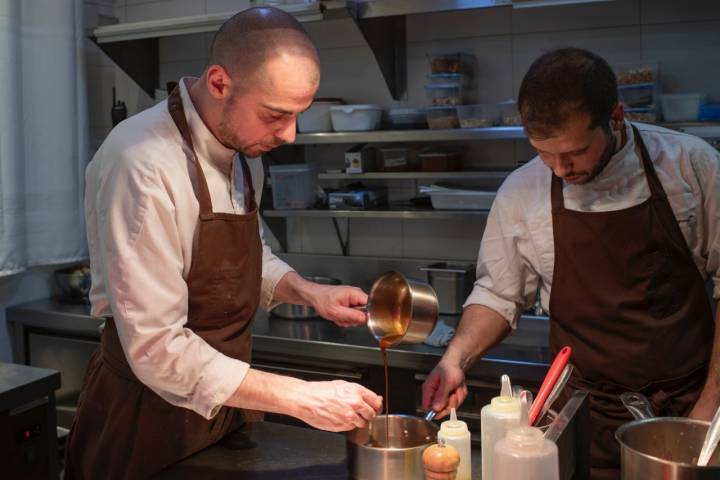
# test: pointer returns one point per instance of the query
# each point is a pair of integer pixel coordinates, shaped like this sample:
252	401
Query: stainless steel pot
400	310
288	310
369	458
452	282
665	447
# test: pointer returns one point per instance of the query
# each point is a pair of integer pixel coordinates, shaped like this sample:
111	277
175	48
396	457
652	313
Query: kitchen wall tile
688	55
621	44
460	24
222	6
374	237
671	11
100	81
183	48
450	239
160	9
333	34
576	17
172	71
318	235
136	100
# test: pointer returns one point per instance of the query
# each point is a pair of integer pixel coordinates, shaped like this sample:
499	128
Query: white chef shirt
142	214
517	250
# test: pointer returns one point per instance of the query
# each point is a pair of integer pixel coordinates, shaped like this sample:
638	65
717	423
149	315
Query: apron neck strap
177	112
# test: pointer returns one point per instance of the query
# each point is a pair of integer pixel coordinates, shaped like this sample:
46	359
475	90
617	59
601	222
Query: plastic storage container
444	93
440	78
454	62
525	453
293	186
406	118
442	117
681	107
637	72
455	433
317	117
644	115
638	94
478	116
354	118
509	114
456	199
439	161
496	418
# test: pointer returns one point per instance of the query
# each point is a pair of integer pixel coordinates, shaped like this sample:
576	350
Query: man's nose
562	167
287	133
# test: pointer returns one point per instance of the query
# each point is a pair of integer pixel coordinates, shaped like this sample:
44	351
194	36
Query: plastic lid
453	427
434	86
406	111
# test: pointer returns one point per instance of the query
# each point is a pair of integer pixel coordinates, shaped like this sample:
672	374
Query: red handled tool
558	365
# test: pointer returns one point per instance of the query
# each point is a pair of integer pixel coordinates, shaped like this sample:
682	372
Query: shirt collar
207	146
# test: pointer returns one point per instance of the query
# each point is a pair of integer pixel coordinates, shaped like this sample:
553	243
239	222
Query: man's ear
617	118
219	83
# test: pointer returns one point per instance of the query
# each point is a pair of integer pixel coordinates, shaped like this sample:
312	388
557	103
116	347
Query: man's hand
705	407
444	388
337	405
336	303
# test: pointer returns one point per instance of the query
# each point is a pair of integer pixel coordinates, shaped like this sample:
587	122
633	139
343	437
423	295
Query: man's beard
604	160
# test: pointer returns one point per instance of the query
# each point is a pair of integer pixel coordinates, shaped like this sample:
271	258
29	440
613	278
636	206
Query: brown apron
629	300
122	428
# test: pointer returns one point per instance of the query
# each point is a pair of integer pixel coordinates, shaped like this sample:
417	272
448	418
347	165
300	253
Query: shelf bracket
139	59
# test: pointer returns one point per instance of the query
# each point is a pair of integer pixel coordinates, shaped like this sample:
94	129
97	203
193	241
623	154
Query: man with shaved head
179	266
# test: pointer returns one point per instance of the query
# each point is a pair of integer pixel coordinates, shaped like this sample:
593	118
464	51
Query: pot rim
630	425
395	449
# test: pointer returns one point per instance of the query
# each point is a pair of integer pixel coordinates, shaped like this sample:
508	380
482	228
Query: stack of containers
638	87
445	88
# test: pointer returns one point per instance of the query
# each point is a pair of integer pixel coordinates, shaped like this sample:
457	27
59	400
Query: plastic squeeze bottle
496	418
455	433
525	454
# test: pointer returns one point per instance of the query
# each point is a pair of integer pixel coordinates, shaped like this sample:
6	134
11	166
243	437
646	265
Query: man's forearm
709	400
480	329
266	392
292	288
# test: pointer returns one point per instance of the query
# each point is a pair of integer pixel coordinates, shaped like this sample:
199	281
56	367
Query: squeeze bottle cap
453	427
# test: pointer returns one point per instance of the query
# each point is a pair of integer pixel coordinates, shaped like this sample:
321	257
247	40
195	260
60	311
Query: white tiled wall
684	37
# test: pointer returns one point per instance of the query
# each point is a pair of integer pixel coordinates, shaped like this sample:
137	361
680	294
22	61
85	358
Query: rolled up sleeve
706	163
506	281
273	270
148	295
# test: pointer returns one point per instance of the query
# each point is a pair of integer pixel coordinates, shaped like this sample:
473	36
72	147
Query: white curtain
43	133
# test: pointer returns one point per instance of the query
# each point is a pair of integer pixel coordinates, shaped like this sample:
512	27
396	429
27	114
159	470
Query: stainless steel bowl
73	282
370	459
289	310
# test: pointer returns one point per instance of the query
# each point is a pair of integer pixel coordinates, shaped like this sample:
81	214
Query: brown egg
440	462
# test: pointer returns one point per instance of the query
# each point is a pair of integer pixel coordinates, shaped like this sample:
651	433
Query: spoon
711	440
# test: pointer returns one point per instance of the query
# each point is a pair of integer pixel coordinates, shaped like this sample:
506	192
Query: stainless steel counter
523	355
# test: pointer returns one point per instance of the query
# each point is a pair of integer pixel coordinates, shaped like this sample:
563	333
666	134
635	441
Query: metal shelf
415	175
381	136
405	214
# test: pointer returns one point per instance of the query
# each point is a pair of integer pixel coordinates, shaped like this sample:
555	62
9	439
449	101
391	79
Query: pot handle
638	405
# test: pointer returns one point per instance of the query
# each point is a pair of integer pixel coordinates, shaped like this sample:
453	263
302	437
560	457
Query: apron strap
177	112
656	188
250	203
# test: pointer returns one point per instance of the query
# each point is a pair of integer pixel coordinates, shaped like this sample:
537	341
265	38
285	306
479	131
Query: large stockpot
289	310
401	310
664	447
369	458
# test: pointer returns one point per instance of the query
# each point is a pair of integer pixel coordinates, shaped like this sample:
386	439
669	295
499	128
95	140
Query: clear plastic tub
478	116
354	118
637	94
453	62
395	159
406	118
456	199
442	117
293	186
637	72
682	107
445	94
509	114
644	115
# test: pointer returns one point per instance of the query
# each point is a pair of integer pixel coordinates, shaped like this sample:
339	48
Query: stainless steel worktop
523	355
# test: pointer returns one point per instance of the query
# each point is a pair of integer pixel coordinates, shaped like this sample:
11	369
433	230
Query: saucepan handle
638	405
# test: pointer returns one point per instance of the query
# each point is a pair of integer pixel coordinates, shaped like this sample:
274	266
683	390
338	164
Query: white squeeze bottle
496	418
525	454
455	432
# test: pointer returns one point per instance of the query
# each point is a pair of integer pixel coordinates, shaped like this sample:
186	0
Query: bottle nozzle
505	386
524	408
453	415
